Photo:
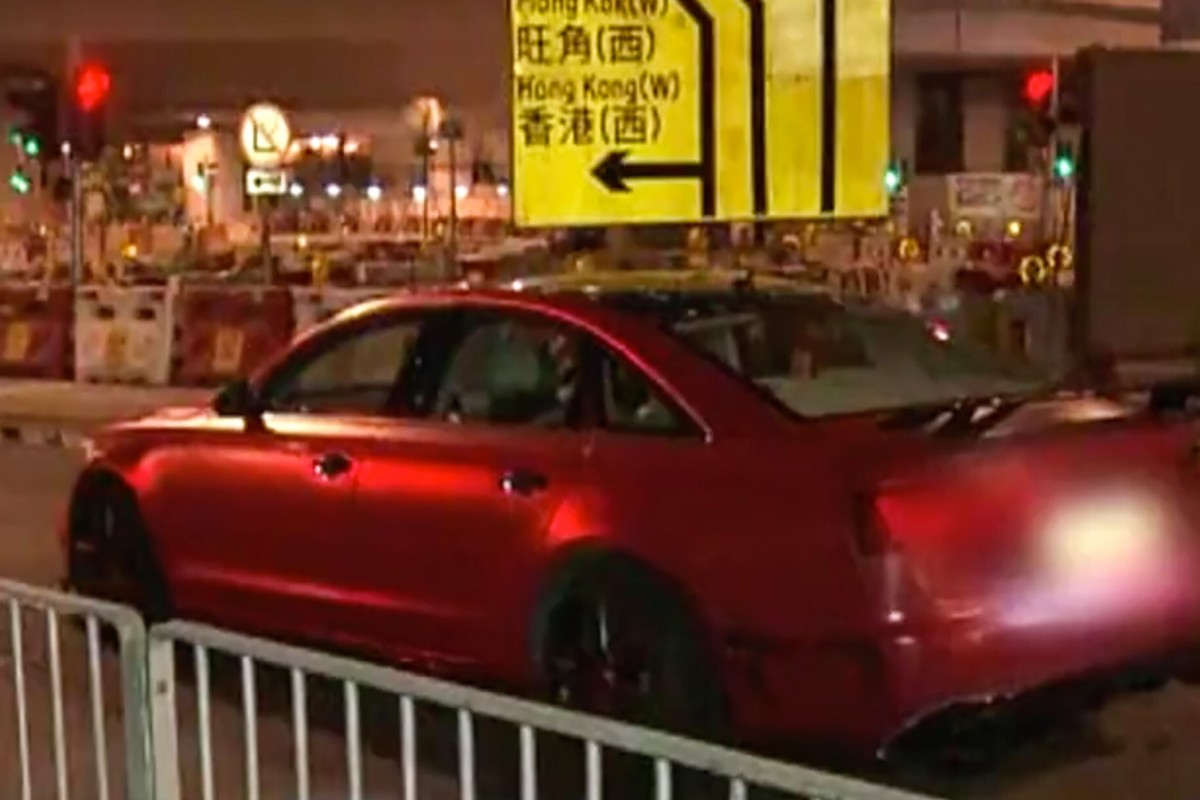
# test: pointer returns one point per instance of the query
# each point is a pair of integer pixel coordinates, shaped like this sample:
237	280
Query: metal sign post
265	136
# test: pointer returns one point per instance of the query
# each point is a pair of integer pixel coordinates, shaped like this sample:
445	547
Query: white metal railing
739	772
98	619
162	758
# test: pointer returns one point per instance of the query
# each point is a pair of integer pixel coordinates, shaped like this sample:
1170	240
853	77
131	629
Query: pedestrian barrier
672	762
75	739
1035	328
950	253
247	730
124	335
311	307
876	251
227	332
36	328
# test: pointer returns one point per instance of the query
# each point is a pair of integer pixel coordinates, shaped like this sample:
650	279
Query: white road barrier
124	335
314	306
240	716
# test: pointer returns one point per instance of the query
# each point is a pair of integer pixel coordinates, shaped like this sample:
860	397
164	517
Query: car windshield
819	358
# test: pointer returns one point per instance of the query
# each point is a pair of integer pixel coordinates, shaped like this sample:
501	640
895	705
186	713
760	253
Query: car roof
576	291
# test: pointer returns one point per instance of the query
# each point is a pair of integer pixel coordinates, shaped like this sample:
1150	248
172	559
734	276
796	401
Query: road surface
1143	746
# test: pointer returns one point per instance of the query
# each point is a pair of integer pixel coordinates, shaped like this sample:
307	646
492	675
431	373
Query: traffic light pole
1049	207
75	211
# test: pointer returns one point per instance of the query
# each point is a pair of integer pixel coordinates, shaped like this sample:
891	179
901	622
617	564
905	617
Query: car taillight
899	520
939	330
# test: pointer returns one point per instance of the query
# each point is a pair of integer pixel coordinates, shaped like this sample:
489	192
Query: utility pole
452	133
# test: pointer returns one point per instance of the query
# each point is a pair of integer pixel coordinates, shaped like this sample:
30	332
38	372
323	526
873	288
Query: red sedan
728	506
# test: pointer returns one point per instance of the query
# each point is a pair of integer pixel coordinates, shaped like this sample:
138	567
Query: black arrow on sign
614	171
758	104
829	103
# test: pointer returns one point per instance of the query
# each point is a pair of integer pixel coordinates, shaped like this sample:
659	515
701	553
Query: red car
717	503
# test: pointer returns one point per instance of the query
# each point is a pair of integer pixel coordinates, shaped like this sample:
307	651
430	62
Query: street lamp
204	122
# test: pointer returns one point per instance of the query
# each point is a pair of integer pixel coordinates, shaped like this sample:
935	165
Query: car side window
511	370
355	374
632	403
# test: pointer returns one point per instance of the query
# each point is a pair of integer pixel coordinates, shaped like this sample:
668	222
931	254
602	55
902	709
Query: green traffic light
32	147
19	183
15	138
1064	168
892	180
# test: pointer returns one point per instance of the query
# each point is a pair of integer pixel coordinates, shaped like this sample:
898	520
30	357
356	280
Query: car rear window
817	357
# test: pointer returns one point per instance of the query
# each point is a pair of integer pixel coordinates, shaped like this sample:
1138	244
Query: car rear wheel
619	642
110	555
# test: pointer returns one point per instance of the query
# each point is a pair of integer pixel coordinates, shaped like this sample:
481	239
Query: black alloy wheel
620	644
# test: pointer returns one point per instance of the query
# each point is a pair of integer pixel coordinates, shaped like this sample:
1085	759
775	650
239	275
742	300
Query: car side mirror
237	399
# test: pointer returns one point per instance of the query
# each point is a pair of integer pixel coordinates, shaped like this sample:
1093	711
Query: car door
456	504
268	542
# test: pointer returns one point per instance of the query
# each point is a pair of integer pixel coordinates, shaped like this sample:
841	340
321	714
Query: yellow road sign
642	111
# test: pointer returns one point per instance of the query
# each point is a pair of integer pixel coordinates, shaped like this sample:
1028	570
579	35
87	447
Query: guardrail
99	619
157	767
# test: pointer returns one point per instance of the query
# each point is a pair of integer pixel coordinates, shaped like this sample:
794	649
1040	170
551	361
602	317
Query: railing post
164	729
136	720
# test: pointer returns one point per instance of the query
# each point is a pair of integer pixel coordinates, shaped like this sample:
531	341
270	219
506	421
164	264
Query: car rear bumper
965	678
885	691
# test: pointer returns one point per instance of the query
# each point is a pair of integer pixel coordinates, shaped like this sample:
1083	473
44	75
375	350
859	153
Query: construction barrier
950	252
36	327
226	332
311	307
124	335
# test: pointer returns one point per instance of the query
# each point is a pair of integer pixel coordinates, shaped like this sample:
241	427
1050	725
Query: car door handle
332	465
523	482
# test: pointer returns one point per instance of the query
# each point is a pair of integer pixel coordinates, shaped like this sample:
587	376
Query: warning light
1039	85
92	87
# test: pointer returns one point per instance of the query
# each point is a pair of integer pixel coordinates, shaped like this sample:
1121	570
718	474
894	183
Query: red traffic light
1039	85
92	87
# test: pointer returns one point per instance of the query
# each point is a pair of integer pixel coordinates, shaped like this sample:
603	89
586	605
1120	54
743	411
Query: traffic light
1064	162
1037	93
894	177
1039	88
89	112
36	100
19	182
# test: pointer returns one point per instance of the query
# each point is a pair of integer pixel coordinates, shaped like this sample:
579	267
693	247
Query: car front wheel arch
105	508
582	582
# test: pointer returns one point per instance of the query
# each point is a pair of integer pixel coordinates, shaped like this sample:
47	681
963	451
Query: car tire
110	555
617	640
